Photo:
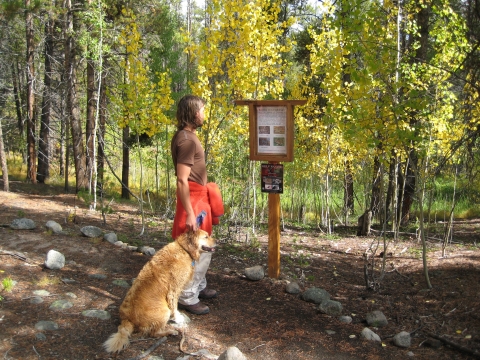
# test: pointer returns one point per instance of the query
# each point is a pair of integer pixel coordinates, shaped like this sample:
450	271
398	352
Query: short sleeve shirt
187	149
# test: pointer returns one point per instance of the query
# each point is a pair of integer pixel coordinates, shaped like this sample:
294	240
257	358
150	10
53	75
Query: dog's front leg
178	317
175	315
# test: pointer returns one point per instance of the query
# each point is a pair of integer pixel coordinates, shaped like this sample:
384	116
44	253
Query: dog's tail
120	340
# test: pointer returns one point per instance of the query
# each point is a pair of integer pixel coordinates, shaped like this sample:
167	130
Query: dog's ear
193	246
189	242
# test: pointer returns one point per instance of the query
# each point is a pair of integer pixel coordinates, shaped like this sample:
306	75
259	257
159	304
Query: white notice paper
272	129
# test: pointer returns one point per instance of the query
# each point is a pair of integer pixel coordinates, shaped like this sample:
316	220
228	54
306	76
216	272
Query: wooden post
274	235
271	139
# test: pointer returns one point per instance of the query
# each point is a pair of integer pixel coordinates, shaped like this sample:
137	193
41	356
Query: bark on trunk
73	111
126	163
3	161
409	189
31	153
101	131
423	17
364	224
90	125
376	194
43	141
390	188
18	99
348	202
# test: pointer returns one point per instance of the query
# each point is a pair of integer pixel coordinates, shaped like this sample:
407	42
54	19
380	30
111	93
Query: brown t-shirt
187	149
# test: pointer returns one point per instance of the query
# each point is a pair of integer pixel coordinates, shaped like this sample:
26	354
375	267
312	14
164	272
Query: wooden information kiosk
271	127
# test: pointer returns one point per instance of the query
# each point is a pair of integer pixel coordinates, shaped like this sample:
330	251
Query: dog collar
193	263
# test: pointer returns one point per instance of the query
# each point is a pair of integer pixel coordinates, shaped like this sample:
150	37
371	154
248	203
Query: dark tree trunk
408	192
348	202
18	98
43	141
73	111
63	131
126	163
3	161
101	131
31	153
391	187
90	124
63	141
423	17
376	187
67	163
364	224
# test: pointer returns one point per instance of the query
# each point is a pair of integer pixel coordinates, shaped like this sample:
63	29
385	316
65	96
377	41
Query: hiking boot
197	309
207	294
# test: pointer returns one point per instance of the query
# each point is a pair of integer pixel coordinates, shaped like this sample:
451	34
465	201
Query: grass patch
7	284
47	281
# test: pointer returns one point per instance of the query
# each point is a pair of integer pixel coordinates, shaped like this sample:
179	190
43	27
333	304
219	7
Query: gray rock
376	318
402	339
40	337
36	300
59	305
23	224
121	283
255	273
369	335
232	353
147	250
111	238
54	227
99	314
293	288
91	231
315	295
121	244
46	325
98	276
41	293
345	319
55	260
331	307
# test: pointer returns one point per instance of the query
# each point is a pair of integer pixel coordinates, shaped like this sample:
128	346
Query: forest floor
259	318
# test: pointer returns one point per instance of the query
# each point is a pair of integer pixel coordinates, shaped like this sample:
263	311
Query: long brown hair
187	109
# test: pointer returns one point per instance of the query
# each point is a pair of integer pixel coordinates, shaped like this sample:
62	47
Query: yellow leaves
240	58
143	101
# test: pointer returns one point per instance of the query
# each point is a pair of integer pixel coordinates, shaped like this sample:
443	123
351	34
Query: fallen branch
398	272
150	349
15	255
456	346
257	346
414	331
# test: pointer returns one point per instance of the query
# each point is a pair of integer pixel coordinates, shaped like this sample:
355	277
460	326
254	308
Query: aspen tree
144	103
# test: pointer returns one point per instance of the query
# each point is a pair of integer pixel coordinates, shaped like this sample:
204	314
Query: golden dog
153	298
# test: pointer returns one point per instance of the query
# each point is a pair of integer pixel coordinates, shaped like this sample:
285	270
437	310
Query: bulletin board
271	128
